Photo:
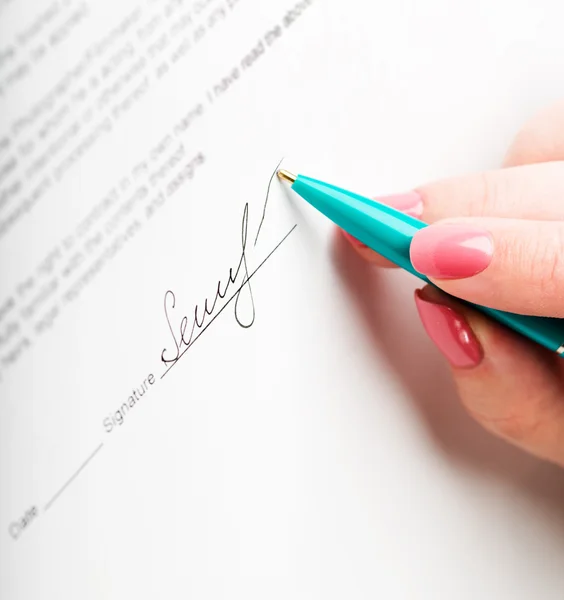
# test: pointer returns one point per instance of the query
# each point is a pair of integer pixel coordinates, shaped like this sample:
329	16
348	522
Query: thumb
513	388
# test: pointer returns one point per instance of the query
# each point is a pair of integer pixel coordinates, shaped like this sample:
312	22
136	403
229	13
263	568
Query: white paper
309	444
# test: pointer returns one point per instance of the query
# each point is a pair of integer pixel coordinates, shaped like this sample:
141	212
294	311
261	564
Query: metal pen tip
286	176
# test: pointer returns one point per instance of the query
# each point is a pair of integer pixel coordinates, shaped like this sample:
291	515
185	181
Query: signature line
76	474
230	299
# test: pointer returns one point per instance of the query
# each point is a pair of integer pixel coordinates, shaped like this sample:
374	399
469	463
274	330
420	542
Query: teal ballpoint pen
389	233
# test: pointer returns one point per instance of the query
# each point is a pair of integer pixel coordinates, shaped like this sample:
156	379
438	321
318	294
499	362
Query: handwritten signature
235	288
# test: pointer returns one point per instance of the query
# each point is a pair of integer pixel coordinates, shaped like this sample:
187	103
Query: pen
389	232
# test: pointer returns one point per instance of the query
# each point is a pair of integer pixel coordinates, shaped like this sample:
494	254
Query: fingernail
352	240
450	332
452	251
410	203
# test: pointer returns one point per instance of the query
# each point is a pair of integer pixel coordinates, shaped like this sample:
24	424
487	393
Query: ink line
230	300
76	474
266	200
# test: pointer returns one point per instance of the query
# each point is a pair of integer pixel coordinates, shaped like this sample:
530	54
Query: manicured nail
450	332
410	203
452	251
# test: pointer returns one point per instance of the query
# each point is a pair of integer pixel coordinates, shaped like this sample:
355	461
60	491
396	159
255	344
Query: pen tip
286	176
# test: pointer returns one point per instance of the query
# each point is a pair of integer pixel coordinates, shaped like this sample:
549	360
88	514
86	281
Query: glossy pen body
389	232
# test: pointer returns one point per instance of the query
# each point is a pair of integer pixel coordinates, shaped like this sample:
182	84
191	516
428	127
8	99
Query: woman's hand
497	239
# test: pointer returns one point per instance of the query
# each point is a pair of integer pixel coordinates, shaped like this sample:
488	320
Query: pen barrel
390	232
382	228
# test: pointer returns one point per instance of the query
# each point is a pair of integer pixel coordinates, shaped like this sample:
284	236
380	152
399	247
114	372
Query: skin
517	390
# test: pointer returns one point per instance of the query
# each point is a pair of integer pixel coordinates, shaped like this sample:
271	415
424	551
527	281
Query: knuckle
494	188
544	264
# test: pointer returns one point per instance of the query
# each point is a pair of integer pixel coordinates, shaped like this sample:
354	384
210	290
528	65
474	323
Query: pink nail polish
410	203
452	251
450	332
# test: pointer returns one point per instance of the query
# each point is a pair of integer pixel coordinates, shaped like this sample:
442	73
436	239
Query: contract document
204	392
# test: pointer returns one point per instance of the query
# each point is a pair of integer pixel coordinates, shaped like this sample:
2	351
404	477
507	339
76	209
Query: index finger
526	192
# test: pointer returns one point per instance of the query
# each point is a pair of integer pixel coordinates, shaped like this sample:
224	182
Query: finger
508	264
540	140
514	389
526	192
529	192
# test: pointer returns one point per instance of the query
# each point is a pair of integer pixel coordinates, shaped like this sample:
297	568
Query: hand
497	239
